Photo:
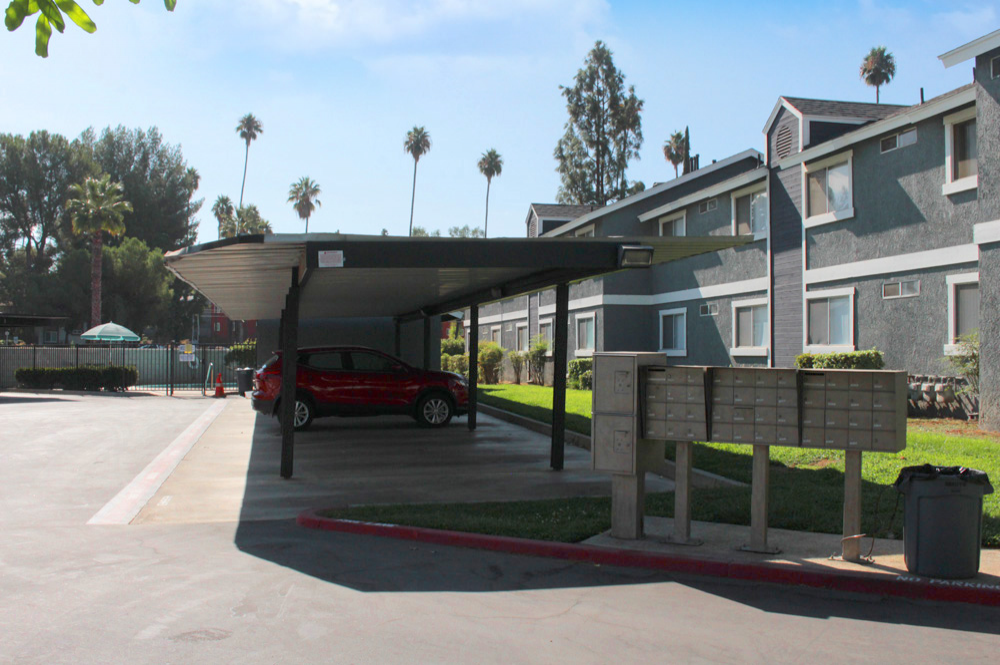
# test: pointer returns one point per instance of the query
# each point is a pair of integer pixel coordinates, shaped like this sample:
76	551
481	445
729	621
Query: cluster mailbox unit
639	402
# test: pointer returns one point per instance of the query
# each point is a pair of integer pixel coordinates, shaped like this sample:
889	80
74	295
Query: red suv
356	381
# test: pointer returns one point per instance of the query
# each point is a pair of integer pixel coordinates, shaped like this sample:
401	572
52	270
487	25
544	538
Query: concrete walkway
232	472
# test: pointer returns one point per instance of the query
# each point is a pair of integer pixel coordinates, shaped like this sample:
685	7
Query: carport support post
758	501
289	362
427	342
559	377
399	338
473	364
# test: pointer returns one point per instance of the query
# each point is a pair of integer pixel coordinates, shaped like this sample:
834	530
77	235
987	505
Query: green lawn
806	485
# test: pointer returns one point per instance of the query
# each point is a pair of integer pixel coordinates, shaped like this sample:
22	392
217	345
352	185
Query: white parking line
123	508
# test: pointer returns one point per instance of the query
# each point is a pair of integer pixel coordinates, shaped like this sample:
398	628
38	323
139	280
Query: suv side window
370	362
332	360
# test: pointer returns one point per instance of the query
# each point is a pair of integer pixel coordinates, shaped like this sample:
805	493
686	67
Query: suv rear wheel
434	410
304	413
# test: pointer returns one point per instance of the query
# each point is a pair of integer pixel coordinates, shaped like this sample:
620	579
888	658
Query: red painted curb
903	586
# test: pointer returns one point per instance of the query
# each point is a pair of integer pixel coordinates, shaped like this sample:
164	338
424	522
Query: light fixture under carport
293	277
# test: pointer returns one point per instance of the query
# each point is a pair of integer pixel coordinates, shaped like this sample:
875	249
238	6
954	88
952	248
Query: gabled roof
971	50
559	211
657	189
833	110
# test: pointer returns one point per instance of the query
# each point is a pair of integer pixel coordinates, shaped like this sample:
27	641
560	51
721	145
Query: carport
294	277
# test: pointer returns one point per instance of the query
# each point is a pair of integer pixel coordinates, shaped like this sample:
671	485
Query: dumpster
244	380
942	519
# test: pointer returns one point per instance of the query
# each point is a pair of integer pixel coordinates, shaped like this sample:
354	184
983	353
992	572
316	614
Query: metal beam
559	377
289	362
398	338
473	365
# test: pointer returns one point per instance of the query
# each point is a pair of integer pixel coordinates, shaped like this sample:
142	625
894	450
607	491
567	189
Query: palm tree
878	68
418	143
249	128
673	150
223	210
302	195
97	206
490	165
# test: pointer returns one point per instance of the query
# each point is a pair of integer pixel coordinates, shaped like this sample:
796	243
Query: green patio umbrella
110	332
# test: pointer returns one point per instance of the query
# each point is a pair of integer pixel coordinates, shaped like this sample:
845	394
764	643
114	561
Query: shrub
576	368
87	377
587	380
966	362
243	354
490	359
517	362
446	363
869	359
536	358
453	344
460	365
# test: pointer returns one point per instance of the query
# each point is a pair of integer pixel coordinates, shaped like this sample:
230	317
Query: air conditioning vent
783	142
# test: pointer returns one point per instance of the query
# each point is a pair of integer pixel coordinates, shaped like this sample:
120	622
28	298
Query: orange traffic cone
219	390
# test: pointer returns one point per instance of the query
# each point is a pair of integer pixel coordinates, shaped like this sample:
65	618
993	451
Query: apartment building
872	226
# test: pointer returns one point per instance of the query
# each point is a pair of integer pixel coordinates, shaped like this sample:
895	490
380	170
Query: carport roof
248	277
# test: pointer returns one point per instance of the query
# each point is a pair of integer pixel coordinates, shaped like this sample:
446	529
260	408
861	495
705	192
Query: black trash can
942	519
244	380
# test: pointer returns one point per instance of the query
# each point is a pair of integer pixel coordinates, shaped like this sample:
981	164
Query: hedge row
87	377
869	359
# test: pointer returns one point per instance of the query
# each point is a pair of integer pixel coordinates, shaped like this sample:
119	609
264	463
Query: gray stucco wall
708	338
786	265
898	204
988	137
989	336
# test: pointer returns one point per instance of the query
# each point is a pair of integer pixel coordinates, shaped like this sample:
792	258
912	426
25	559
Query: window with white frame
750	212
908	288
830	319
521	337
707	206
750	327
673	225
495	334
829	196
995	67
963	307
545	330
961	157
900	140
585	232
51	336
585	327
709	309
673	331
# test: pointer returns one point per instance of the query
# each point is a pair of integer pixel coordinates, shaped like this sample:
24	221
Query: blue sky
338	83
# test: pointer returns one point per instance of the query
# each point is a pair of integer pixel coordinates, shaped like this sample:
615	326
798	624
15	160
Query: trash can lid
930	472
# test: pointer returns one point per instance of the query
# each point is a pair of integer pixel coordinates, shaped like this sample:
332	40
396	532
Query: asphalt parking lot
264	590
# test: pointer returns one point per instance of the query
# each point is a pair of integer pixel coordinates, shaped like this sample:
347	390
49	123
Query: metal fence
167	368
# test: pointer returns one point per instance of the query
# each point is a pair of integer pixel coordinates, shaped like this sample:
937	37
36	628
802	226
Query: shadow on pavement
379	565
18	399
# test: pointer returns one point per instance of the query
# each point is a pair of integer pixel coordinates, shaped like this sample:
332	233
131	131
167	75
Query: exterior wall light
635	256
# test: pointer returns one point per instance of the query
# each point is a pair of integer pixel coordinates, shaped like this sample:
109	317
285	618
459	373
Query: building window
673	331
51	336
585	333
901	140
708	206
585	232
961	163
828	191
521	338
218	327
709	309
750	331
750	213
674	225
963	307
830	320
545	330
995	67
495	335
905	289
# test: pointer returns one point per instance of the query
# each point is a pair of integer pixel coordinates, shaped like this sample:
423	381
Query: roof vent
783	142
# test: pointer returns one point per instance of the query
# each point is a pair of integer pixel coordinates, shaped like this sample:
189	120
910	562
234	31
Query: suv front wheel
434	410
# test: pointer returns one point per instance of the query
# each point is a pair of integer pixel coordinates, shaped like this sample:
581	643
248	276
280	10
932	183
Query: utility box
616	423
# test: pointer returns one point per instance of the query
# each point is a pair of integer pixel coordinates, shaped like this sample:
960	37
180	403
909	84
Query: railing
208	377
164	368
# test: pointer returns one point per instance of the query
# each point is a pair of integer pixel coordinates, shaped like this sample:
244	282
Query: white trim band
579	303
504	317
901	263
699	293
986	232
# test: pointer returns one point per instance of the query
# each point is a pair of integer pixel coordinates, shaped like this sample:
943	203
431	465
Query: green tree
224	211
247	220
51	16
97	206
603	133
137	285
35	176
878	68
302	195
490	165
249	128
466	232
674	151
157	182
418	144
421	232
